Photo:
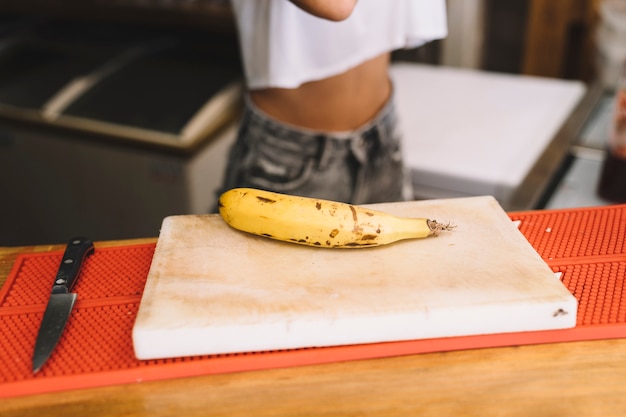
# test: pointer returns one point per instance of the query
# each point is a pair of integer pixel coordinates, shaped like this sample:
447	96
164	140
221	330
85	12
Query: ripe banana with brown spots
317	222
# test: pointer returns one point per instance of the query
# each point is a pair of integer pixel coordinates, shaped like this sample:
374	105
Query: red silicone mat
586	245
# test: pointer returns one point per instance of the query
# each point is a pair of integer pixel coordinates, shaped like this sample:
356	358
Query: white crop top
283	46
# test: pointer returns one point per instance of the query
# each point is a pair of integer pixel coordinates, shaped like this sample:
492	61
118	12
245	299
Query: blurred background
117	113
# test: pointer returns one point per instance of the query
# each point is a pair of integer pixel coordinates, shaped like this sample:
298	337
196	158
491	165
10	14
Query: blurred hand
335	10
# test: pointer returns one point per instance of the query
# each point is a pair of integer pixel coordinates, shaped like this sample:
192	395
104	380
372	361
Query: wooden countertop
563	379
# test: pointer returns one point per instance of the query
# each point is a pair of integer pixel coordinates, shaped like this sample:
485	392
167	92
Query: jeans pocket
277	164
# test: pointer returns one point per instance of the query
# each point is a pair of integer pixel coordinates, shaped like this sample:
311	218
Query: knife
61	300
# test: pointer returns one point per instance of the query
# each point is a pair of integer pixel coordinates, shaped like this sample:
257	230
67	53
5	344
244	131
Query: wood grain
559	38
582	379
564	379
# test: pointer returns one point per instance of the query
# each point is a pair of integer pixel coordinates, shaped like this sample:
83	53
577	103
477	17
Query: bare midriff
340	103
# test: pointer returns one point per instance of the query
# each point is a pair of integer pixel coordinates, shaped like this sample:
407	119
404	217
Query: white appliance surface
470	132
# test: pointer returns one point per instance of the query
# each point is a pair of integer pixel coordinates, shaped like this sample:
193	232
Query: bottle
612	183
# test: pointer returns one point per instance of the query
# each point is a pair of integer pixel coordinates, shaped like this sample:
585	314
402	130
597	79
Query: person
319	117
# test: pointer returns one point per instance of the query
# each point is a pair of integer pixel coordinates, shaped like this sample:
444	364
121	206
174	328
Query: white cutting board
212	289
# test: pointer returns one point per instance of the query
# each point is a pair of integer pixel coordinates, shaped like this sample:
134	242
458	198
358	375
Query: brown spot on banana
265	200
355	217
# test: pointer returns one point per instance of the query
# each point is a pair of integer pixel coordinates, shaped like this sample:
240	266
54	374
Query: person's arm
328	9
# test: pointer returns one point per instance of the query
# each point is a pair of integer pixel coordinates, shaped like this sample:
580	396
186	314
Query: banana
316	222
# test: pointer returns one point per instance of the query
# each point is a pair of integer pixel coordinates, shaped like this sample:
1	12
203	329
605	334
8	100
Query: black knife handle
76	251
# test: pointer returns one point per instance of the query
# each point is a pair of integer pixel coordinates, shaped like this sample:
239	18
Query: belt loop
358	146
383	135
324	151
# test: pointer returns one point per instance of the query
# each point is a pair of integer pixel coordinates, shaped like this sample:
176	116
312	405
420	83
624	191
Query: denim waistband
323	146
358	166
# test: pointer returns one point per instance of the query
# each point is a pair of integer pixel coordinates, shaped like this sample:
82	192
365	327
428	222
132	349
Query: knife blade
61	300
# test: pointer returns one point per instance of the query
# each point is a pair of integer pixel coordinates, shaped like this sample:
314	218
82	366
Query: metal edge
550	166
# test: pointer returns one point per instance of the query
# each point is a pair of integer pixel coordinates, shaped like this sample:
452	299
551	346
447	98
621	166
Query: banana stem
436	227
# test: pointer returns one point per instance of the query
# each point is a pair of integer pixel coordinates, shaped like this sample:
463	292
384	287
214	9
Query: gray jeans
358	167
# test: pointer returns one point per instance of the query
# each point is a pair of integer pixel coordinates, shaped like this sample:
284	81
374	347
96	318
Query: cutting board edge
561	311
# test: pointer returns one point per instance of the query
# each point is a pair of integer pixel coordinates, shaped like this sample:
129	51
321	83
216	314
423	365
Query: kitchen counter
577	378
586	378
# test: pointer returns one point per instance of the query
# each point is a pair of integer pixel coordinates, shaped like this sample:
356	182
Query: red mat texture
586	245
